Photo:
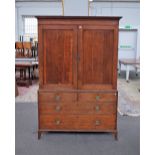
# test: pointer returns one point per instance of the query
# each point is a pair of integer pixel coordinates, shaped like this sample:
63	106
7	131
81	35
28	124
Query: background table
129	62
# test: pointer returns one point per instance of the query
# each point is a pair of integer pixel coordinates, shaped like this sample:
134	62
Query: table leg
30	80
24	71
29	72
127	72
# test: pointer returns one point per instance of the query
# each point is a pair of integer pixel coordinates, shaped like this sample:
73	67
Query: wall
76	7
34	8
130	12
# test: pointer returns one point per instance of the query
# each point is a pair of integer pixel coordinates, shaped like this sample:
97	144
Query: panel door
59	51
97	65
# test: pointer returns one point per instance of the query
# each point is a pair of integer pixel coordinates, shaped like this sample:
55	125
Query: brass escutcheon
57	122
97	107
57	98
97	122
57	108
97	97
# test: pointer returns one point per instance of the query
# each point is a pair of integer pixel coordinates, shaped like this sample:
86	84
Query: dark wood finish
77	74
22	67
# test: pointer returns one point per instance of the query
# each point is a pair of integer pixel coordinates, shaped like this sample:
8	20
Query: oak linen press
77	74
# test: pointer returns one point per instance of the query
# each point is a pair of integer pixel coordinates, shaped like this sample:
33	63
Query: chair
27	46
19	50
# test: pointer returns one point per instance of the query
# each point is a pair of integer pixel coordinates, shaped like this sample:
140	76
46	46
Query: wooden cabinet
77	74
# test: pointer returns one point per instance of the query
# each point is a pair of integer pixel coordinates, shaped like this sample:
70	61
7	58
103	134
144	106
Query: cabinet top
80	17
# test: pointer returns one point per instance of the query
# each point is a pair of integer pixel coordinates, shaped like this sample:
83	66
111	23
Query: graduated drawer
58	122
96	122
82	107
90	107
58	107
97	97
77	122
57	97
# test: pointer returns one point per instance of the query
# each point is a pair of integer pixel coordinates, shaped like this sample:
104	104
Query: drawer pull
80	27
57	122
97	107
97	97
57	98
57	108
97	122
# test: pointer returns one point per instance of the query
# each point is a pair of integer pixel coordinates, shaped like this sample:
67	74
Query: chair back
19	50
27	46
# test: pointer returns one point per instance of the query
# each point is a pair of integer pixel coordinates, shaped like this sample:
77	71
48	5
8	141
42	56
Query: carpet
73	143
129	95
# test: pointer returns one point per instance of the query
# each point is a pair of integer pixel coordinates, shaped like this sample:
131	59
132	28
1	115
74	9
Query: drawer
105	108
58	108
58	122
77	122
96	122
57	97
97	97
82	107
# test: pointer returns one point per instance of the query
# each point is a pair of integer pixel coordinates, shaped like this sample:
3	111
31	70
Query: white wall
34	8
130	12
76	7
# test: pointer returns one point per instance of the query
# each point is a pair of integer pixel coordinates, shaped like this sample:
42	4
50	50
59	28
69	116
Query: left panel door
59	54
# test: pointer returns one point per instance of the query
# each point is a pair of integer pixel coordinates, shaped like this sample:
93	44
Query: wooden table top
25	63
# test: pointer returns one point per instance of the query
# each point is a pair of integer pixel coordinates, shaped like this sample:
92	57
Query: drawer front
97	97
77	122
58	122
105	108
57	97
58	108
96	122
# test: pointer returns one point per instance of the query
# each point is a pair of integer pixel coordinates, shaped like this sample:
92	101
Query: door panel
96	57
60	49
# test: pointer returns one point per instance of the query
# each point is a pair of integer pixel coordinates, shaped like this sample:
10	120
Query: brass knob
57	98
97	107
57	122
97	97
58	108
80	27
97	122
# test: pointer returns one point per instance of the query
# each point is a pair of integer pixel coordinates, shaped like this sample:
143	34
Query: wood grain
78	74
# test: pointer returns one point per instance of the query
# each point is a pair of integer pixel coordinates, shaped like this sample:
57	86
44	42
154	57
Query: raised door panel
60	49
96	52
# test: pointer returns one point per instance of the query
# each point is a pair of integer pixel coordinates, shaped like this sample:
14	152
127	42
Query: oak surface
77	74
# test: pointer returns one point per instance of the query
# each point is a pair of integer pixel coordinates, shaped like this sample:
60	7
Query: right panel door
97	57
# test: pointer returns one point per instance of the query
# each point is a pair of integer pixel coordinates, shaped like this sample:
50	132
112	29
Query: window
30	28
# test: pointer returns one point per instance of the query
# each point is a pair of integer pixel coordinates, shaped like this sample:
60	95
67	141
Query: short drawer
106	108
57	97
97	97
96	122
58	122
58	108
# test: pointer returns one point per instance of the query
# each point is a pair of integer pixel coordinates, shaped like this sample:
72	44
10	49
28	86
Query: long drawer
82	107
77	122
